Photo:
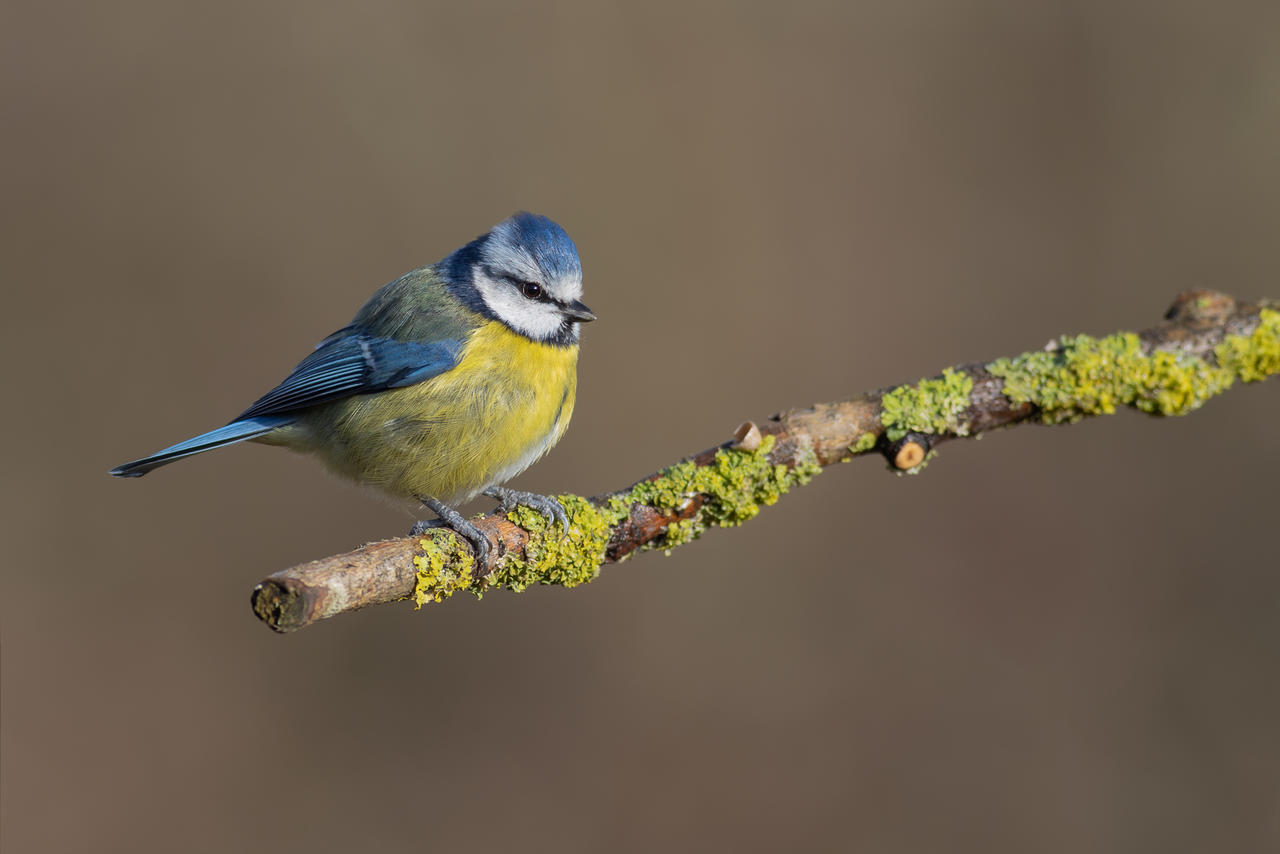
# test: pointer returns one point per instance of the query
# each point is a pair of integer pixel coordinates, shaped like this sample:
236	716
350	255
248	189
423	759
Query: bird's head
525	273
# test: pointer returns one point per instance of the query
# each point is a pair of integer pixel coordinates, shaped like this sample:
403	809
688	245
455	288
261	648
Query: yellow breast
503	406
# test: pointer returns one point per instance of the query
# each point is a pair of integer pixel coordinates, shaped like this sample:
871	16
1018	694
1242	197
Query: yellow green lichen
680	532
1257	356
1092	376
930	406
865	442
1168	383
555	556
443	568
1084	376
735	485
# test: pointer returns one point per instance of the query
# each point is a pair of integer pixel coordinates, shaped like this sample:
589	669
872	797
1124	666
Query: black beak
576	310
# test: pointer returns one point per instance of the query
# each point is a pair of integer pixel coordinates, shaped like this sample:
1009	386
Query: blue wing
350	362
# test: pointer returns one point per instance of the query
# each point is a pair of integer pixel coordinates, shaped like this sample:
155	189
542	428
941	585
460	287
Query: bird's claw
544	504
461	525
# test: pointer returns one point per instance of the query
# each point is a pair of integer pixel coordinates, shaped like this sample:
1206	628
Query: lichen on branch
930	406
726	492
1084	376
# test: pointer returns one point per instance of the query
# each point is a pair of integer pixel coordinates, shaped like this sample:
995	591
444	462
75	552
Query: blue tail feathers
236	431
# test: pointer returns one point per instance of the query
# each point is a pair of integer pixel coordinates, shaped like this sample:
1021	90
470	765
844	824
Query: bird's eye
532	290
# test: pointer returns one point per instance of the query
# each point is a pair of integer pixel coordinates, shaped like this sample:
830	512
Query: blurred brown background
1053	640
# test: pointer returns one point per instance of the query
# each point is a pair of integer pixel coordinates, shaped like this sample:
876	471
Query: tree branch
1207	341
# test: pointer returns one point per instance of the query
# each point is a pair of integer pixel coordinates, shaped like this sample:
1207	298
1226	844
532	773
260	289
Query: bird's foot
544	504
464	527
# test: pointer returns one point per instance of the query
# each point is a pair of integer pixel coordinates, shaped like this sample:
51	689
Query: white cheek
537	320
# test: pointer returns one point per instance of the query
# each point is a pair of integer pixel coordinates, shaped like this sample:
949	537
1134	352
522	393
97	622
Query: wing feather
351	362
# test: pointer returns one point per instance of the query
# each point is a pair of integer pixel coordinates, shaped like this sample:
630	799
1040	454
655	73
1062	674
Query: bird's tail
236	431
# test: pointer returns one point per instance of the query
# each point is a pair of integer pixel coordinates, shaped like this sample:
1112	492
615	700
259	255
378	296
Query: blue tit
450	381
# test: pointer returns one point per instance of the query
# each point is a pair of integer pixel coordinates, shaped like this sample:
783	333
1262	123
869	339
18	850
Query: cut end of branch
910	453
281	608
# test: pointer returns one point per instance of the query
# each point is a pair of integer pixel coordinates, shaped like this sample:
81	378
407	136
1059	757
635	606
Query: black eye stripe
528	289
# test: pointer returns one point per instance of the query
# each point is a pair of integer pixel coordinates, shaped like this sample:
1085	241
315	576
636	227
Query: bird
447	383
